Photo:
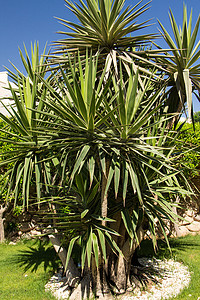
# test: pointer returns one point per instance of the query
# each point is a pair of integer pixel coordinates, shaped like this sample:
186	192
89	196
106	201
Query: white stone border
173	277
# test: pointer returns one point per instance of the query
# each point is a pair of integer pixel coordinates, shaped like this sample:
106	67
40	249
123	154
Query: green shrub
189	147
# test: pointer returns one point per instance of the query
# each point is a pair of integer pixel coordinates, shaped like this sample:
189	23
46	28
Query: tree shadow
147	273
176	245
41	253
144	275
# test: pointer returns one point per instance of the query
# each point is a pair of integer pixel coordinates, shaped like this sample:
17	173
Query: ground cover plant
95	156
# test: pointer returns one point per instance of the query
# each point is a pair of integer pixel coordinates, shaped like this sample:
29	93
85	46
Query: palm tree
96	149
108	28
182	65
114	175
20	128
104	25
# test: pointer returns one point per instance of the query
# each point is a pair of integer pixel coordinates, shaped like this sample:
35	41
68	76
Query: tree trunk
175	224
123	263
177	112
112	275
99	282
72	273
2	231
104	196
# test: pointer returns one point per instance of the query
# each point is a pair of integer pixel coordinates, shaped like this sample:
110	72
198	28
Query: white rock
189	213
35	232
187	221
183	231
195	226
197	218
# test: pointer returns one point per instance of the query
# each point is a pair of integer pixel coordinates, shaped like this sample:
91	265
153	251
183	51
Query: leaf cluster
93	142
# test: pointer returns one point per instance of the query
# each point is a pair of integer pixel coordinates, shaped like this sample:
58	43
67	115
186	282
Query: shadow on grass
182	244
41	253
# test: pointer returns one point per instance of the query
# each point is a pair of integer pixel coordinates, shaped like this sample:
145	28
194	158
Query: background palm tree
182	64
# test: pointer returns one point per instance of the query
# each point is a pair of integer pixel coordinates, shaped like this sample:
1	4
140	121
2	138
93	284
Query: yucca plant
106	27
94	145
104	24
20	130
183	64
116	169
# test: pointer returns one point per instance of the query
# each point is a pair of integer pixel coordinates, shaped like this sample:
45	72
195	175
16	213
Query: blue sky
25	21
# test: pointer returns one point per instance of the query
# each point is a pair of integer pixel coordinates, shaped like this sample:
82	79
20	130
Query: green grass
185	250
19	284
39	261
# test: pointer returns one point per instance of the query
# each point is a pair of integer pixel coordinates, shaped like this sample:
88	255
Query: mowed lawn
18	283
187	250
15	282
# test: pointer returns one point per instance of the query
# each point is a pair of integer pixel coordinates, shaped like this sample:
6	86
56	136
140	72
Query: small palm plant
21	129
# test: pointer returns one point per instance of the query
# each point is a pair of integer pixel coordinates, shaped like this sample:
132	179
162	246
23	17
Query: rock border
171	278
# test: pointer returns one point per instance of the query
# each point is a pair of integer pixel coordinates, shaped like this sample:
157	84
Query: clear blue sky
25	21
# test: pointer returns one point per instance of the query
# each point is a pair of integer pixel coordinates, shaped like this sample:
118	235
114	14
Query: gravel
171	278
167	279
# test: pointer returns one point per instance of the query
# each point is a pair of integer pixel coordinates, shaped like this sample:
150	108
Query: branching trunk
112	274
123	263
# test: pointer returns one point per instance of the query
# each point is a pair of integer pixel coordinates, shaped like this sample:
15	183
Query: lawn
187	250
19	284
39	261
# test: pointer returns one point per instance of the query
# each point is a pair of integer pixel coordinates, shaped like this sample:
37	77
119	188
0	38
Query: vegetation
20	284
17	285
182	66
190	138
94	155
197	116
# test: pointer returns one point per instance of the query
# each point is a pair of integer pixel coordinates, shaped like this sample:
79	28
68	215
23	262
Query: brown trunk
104	196
175	118
72	273
176	227
84	290
2	219
123	264
102	288
93	284
2	233
99	277
112	258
